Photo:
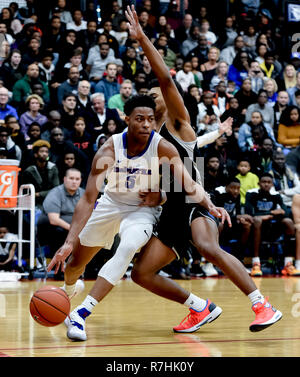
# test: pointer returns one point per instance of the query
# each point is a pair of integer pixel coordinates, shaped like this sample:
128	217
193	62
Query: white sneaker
209	269
79	287
75	323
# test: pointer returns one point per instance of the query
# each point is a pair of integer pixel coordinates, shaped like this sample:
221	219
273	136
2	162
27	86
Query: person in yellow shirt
248	179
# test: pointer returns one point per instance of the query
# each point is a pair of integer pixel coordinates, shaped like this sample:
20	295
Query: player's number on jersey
130	181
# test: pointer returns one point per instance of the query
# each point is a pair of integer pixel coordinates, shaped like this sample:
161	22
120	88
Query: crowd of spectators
64	79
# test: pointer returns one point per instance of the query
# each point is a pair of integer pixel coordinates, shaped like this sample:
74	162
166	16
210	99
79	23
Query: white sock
69	289
297	264
88	303
195	303
256	297
288	260
255	260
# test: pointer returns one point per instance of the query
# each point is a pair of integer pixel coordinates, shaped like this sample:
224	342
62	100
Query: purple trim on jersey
124	137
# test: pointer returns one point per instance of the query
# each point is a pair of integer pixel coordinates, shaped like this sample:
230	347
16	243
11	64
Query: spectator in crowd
229	53
200	51
192	41
14	128
228	197
238	70
34	105
14	152
247	178
42	174
8	247
84	106
34	134
256	75
182	32
280	105
245	95
82	139
271	87
265	109
77	23
97	60
117	101
108	85
12	69
269	211
288	79
285	181
289	128
70	85
58	209
99	114
246	138
88	38
205	30
292	90
5	108
213	176
23	87
185	77
208	68
221	75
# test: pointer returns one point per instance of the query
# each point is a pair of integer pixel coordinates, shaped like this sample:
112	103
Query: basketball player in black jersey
181	221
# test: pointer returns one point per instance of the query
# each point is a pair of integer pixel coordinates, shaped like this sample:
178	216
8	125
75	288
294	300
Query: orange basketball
49	306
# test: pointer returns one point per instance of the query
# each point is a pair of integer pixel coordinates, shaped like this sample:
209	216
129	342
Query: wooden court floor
131	322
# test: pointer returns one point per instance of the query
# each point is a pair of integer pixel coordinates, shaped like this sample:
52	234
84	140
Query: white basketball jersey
129	174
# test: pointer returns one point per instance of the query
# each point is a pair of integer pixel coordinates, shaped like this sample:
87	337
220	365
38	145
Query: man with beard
23	87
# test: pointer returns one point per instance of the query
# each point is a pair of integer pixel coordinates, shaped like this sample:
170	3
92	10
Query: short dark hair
230	180
138	101
263	175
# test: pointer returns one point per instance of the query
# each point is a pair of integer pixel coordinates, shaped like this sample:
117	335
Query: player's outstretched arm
177	112
103	159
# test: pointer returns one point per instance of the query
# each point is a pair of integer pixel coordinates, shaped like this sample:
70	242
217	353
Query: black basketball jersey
190	155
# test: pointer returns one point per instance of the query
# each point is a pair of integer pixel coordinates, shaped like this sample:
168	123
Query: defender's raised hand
134	27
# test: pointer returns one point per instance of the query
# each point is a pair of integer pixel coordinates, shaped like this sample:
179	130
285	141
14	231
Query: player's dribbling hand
149	198
59	258
221	213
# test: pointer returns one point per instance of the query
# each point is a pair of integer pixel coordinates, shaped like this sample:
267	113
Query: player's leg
154	256
132	238
257	226
205	237
296	217
289	247
76	264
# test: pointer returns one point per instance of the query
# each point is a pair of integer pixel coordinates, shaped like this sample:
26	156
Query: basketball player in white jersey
131	163
199	227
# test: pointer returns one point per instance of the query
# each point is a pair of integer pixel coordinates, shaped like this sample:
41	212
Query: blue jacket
108	88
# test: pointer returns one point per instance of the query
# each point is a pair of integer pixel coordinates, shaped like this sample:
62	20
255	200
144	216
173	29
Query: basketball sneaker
193	321
265	316
256	270
75	323
79	287
290	270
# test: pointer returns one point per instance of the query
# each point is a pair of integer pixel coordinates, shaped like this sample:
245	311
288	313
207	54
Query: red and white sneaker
195	319
265	316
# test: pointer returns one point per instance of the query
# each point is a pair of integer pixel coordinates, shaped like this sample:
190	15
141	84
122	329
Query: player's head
233	186
266	182
140	116
156	94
